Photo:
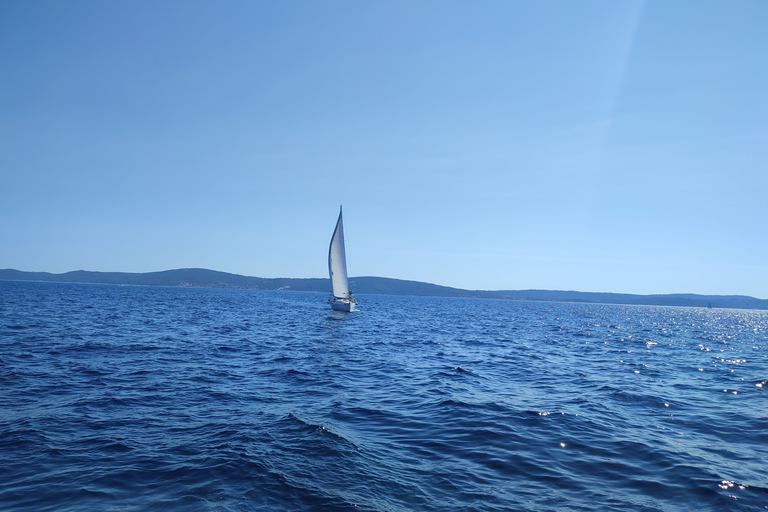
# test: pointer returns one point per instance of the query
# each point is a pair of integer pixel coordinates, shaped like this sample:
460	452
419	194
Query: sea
132	398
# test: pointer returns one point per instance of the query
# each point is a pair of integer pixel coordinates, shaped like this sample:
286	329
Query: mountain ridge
205	278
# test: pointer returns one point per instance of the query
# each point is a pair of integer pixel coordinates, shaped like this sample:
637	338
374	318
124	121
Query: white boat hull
343	305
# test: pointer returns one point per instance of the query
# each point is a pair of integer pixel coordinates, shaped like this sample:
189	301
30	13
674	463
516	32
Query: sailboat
341	299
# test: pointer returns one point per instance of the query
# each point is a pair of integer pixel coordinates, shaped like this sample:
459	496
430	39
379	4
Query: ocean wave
138	398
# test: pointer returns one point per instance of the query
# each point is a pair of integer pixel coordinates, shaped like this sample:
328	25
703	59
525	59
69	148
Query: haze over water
134	398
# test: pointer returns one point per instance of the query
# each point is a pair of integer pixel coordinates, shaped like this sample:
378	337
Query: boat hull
343	305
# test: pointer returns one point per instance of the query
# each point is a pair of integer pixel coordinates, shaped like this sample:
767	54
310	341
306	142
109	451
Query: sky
595	145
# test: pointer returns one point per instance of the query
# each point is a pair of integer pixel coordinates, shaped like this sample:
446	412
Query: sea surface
151	398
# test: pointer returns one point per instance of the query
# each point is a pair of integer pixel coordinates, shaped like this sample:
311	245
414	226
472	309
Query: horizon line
383	277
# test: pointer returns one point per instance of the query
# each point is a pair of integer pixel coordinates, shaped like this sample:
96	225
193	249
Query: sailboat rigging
341	297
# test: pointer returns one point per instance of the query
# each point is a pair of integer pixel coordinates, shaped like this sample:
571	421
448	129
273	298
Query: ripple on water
190	399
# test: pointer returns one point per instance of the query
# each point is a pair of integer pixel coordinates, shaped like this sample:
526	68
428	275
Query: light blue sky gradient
593	146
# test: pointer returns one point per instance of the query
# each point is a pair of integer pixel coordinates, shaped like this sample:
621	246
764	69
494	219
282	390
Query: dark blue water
135	398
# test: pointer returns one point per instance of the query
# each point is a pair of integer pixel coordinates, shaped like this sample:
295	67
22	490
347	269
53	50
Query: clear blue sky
591	145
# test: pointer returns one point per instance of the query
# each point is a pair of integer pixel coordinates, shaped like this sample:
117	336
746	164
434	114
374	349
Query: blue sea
150	398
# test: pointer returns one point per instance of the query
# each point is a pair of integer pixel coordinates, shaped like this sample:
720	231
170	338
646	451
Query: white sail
337	262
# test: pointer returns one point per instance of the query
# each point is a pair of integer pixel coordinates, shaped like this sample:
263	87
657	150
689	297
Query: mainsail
337	262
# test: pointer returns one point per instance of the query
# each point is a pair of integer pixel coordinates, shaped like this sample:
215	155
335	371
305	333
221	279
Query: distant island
203	278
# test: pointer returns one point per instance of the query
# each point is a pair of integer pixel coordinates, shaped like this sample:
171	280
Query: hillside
203	278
